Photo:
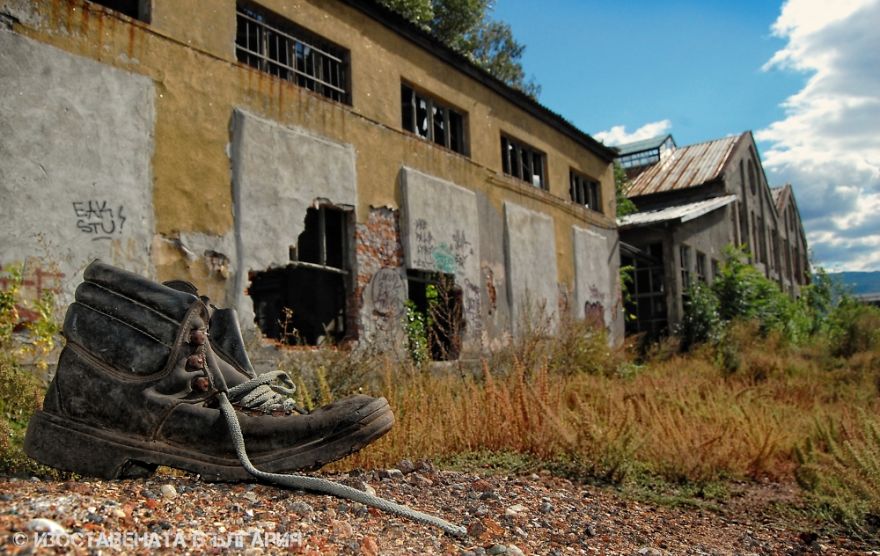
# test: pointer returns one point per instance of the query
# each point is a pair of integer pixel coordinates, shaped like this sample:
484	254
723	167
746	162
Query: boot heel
55	445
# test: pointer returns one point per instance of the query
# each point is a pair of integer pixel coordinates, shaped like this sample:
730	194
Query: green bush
746	294
702	320
21	393
853	328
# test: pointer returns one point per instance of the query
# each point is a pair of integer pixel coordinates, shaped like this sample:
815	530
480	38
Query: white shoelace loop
264	393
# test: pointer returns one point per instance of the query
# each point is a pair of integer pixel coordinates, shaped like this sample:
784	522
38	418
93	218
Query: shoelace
263	393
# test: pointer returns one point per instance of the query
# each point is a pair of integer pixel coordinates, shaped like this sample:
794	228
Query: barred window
523	162
279	47
585	191
432	120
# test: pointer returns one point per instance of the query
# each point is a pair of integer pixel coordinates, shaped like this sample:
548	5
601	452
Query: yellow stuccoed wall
188	52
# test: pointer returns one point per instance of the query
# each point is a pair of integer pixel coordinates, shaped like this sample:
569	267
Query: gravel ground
534	514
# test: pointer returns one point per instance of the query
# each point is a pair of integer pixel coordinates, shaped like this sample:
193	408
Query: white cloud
617	135
828	143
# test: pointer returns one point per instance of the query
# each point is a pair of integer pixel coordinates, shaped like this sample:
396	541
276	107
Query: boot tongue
227	341
231	375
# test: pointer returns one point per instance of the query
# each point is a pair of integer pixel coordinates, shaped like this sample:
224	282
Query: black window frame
585	191
291	52
452	122
517	157
135	9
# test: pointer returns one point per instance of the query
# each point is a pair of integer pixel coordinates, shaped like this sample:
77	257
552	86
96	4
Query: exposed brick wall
377	246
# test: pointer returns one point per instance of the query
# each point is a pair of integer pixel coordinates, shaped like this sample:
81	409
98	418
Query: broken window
437	301
585	191
277	46
135	9
304	303
523	162
432	120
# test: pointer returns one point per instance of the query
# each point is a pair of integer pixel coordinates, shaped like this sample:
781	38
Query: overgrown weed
23	347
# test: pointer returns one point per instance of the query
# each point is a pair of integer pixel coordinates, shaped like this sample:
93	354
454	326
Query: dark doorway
647	299
436	296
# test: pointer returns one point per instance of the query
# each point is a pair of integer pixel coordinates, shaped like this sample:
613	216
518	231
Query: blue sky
803	76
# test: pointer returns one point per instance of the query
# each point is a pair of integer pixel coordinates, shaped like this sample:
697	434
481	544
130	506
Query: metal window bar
274	51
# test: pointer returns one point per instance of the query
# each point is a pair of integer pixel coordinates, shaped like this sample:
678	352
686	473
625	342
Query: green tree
466	26
621	186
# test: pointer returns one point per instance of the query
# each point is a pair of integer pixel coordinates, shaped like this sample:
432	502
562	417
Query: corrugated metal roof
685	167
682	213
643	145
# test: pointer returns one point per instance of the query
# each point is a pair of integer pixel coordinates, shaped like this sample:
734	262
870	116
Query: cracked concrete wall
597	284
440	232
76	143
278	172
530	265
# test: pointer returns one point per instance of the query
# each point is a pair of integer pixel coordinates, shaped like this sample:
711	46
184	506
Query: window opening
787	256
647	300
752	185
135	9
523	162
701	266
304	303
685	254
279	47
432	120
439	302
585	191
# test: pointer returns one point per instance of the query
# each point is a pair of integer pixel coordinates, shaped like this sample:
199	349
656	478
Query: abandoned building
315	165
692	202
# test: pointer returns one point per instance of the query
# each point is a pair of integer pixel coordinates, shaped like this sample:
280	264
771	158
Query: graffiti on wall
442	257
450	258
378	250
387	292
99	219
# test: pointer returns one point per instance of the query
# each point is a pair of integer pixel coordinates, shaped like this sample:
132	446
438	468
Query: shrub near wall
21	393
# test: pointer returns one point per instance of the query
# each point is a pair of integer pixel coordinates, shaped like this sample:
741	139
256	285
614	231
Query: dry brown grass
681	417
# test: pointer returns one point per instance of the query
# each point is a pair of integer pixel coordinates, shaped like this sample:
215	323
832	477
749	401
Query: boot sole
64	444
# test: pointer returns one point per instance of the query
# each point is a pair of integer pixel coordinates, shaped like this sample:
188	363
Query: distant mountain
859	282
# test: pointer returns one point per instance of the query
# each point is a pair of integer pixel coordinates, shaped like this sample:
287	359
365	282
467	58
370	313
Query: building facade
693	202
315	165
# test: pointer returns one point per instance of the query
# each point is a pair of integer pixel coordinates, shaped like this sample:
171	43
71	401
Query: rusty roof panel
685	167
681	213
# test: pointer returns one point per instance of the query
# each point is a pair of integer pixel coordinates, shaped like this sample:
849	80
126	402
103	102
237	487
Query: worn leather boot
141	380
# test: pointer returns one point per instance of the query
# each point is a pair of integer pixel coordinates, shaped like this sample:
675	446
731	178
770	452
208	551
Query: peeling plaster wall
76	142
440	232
596	269
380	290
530	260
496	309
277	174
